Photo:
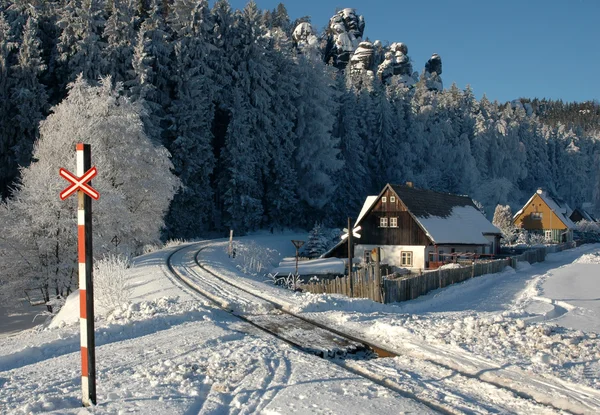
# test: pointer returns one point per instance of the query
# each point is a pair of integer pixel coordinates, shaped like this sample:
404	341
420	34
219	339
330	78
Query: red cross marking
79	183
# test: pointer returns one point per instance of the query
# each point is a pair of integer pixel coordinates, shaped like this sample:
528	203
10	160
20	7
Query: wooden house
419	229
546	215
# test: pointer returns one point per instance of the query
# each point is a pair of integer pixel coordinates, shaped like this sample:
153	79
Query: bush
111	286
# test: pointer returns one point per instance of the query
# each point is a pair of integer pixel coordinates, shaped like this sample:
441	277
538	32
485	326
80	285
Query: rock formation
306	41
433	70
343	35
363	56
397	63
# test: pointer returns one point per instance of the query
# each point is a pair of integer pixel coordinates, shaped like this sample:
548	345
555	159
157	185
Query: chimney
409	184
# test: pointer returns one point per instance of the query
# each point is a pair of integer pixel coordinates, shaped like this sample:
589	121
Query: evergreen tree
190	137
80	44
120	37
7	162
316	149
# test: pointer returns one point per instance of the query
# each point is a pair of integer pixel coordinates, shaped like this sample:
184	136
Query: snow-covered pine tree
316	149
240	180
38	242
317	243
27	95
120	37
352	181
80	44
152	63
7	163
281	200
192	112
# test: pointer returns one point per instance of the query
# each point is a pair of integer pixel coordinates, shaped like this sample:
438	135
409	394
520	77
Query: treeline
262	135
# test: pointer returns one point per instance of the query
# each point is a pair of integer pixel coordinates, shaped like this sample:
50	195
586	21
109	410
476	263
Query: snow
169	351
465	225
366	206
311	267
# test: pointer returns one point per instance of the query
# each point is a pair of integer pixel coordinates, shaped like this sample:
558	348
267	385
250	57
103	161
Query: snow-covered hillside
169	351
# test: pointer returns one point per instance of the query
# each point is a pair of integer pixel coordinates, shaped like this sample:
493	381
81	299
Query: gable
542	212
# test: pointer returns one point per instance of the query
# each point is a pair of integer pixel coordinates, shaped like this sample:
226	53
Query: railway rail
316	338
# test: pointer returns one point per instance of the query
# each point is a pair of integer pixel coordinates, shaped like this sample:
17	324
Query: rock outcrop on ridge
342	46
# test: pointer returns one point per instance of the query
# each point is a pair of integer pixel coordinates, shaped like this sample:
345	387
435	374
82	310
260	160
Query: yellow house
543	214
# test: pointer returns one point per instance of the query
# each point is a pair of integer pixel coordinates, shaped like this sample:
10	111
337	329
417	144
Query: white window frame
394	222
392	199
536	215
406	258
383	199
548	235
383	222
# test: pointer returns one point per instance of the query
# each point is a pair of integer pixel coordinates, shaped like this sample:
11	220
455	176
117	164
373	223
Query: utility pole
350	256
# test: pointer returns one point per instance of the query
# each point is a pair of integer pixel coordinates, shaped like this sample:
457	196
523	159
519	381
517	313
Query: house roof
444	217
370	200
560	208
583	213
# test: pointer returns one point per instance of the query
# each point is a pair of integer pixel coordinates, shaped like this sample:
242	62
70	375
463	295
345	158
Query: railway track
316	338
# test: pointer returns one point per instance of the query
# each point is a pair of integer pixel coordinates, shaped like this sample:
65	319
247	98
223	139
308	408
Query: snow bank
593	258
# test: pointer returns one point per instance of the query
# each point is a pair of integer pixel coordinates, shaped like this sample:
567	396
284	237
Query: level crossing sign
81	185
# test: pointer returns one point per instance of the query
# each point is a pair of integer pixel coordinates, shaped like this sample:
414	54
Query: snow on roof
368	203
563	211
311	267
464	225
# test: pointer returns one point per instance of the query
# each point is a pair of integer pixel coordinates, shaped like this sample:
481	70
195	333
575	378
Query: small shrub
111	284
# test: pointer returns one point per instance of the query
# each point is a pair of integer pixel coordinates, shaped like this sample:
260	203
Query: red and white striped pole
86	289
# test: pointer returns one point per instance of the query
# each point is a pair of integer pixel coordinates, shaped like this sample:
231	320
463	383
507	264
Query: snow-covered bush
587	226
111	286
253	258
530	238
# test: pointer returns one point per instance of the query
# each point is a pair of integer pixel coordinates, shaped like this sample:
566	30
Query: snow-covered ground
169	351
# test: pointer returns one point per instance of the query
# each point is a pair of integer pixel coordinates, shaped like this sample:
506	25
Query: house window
383	199
392	199
383	222
406	258
536	215
441	255
548	235
393	222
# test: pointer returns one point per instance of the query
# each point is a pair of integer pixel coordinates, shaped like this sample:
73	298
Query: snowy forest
270	124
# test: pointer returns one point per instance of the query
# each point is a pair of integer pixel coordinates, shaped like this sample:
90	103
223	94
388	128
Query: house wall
494	244
391	254
549	219
408	232
447	249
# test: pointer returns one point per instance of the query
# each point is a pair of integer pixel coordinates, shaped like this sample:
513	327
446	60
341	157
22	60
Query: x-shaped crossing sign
79	183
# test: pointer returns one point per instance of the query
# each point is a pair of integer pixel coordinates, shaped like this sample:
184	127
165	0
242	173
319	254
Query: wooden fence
365	285
408	287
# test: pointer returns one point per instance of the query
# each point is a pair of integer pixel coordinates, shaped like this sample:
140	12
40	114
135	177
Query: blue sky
504	48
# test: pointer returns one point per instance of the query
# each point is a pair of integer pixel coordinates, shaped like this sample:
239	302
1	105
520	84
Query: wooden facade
537	215
406	232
